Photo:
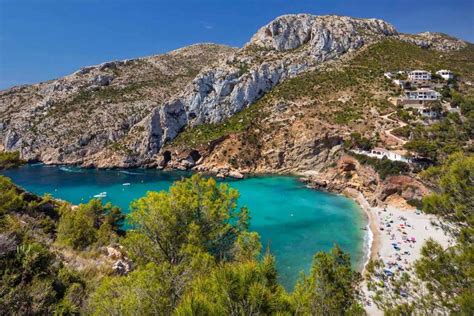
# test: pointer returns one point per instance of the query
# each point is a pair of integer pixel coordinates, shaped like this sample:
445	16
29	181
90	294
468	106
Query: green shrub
10	160
384	167
89	223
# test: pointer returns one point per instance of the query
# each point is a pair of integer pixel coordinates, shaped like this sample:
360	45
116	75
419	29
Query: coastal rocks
347	173
235	174
404	186
350	174
121	264
122	267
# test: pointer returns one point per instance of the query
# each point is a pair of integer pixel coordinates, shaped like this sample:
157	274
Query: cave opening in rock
166	157
195	155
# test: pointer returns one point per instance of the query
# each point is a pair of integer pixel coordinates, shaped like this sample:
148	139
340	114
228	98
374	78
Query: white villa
422	94
381	153
419	75
445	74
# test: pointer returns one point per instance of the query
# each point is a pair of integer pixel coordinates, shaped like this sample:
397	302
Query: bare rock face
404	186
284	48
438	41
97	115
347	163
325	35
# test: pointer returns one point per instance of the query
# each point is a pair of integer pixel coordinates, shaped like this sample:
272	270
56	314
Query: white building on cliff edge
419	75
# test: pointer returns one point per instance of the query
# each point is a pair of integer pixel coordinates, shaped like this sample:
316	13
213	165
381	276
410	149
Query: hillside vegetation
10	160
347	96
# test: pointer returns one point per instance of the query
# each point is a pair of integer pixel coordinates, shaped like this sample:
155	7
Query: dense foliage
331	288
87	224
33	280
246	288
195	256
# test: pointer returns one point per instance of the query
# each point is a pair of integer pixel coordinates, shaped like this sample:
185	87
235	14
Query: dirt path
388	132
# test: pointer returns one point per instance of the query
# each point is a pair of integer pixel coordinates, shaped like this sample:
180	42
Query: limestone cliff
84	116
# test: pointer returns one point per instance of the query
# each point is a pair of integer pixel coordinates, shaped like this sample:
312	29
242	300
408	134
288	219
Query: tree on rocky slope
88	224
176	237
33	279
10	159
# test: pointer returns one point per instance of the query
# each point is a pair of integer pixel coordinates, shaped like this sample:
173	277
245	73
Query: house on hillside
419	75
422	94
417	97
445	74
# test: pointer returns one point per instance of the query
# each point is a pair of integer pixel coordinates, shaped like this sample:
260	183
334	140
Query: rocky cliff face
83	117
123	113
285	48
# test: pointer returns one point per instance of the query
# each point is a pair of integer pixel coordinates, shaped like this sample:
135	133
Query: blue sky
46	39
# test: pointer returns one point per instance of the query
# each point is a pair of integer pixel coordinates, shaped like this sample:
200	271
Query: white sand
393	226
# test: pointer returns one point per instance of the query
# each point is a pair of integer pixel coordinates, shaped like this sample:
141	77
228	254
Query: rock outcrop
349	173
438	41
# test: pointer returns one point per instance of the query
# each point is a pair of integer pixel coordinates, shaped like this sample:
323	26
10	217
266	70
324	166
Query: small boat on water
126	184
101	195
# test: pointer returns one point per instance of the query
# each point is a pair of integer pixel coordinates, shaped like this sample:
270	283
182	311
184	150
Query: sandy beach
397	236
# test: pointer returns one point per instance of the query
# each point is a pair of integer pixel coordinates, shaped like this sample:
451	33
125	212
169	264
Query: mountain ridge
284	48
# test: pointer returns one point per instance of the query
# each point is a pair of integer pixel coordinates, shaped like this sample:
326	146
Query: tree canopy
331	288
196	215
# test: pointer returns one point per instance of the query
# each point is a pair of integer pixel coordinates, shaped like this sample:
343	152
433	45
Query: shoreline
373	241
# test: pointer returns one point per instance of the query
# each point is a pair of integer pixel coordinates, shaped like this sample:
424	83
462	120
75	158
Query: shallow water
292	220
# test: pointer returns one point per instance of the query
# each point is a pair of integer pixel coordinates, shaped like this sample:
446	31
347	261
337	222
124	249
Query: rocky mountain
214	107
77	117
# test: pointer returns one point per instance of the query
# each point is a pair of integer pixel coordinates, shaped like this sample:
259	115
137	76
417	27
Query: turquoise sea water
292	220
